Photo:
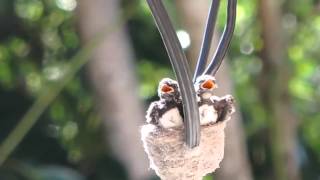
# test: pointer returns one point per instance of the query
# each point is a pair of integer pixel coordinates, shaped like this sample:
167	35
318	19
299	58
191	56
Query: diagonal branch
207	39
50	92
182	72
225	40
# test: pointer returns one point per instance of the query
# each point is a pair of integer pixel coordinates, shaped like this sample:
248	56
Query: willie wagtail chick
205	86
167	112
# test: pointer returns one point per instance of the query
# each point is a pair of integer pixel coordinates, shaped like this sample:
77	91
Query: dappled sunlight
72	106
184	38
67	5
30	10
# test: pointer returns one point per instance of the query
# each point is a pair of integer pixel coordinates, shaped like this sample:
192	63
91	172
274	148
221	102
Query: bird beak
166	89
208	84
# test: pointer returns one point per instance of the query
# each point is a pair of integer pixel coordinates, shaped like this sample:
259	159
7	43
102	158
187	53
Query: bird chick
167	112
205	86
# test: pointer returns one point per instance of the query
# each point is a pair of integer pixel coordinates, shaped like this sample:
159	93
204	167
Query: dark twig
225	40
207	39
182	72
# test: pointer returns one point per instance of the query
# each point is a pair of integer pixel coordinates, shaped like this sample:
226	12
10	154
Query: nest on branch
173	160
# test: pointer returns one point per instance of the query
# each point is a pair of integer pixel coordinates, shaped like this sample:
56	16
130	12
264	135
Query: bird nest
173	160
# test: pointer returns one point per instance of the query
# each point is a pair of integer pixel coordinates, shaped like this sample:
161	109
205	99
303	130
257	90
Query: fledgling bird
204	87
167	112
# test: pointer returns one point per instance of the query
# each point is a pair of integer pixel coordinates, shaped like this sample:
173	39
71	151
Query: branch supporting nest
173	160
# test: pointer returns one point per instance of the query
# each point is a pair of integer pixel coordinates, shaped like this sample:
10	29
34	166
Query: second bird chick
204	87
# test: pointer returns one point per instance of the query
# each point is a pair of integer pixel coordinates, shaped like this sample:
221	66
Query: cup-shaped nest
173	160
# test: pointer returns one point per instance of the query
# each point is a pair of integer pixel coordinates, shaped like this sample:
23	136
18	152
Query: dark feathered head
205	85
169	90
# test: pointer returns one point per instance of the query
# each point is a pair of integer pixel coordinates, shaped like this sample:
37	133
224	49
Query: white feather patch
207	114
171	118
206	95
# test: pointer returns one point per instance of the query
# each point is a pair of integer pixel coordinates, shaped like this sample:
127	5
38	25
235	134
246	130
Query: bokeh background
76	77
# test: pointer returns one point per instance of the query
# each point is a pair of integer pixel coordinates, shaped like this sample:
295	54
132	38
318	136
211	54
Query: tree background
90	130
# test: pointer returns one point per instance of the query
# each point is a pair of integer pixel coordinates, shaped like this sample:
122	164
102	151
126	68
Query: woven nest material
173	160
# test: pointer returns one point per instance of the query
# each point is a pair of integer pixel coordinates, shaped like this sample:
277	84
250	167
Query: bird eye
208	84
166	89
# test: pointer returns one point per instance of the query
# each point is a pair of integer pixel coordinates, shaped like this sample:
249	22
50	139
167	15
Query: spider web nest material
173	160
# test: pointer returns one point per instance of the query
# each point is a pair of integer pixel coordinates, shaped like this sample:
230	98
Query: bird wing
224	106
153	114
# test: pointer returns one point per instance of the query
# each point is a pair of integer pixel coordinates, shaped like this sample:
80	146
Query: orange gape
166	89
209	84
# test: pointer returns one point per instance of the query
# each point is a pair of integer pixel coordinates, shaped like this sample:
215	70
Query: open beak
166	89
208	84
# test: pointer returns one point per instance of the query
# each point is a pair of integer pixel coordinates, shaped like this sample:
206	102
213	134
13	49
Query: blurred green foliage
39	37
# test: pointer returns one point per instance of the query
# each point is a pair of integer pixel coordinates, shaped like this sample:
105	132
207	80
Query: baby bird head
205	85
169	90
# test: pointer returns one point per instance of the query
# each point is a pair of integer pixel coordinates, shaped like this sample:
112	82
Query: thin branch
49	93
207	39
182	72
225	40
